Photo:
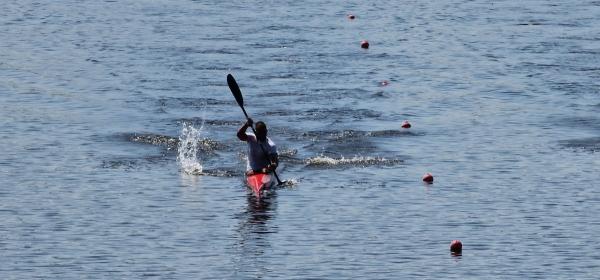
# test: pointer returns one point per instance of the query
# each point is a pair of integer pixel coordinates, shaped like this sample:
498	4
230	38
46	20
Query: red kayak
259	181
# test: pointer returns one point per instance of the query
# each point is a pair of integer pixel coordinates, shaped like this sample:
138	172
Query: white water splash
290	182
357	161
188	147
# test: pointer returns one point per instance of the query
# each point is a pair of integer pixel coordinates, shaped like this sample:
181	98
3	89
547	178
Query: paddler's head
261	131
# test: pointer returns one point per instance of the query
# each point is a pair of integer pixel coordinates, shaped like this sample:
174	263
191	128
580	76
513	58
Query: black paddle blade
235	89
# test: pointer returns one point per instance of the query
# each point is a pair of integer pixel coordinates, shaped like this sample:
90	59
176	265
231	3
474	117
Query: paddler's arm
241	134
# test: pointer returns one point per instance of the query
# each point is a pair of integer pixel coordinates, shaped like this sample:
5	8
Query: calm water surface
119	159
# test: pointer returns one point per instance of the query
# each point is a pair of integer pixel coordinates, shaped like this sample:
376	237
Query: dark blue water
118	156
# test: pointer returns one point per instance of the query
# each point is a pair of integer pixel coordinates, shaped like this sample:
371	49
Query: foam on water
289	182
187	151
325	161
154	139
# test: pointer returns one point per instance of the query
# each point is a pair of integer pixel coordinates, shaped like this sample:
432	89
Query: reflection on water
188	180
254	230
260	210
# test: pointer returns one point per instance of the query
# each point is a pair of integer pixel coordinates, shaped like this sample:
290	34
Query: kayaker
258	161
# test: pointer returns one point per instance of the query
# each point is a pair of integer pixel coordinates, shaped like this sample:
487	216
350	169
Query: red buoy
406	124
456	247
364	44
351	16
428	178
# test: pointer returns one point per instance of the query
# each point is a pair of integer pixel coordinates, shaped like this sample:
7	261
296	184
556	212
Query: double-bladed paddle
237	93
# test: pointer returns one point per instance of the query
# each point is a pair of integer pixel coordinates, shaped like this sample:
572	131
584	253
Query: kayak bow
259	181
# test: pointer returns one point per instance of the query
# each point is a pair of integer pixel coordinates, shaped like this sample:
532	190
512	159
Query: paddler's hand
249	122
267	169
271	167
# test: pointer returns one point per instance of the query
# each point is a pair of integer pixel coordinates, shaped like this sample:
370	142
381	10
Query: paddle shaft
237	93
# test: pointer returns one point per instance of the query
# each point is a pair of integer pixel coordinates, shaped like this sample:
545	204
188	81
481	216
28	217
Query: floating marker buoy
364	44
351	16
406	124
428	178
456	246
384	83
